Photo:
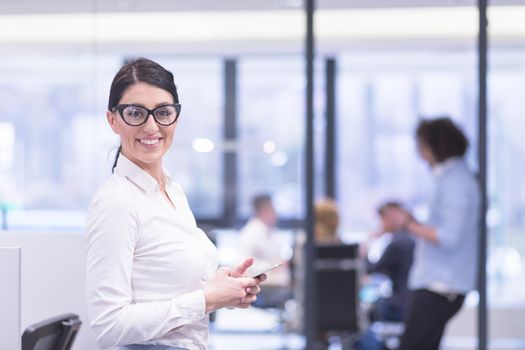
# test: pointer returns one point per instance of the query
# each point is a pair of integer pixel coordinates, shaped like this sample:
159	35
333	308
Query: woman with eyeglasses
152	276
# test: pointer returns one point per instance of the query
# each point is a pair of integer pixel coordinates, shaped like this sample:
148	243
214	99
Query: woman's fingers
240	270
248	299
253	290
247	282
261	278
224	290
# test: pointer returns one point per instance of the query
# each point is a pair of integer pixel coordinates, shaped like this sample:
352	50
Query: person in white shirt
260	239
152	276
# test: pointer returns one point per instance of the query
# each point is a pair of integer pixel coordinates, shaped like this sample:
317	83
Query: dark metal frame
310	314
482	163
331	137
230	134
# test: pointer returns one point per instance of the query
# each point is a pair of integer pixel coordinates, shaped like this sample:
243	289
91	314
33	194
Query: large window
55	141
57	148
271	132
382	97
195	159
506	186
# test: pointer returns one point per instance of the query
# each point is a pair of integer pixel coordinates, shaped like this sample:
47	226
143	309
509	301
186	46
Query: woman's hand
407	222
240	271
232	288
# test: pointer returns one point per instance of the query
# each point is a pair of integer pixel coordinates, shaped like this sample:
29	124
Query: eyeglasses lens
135	115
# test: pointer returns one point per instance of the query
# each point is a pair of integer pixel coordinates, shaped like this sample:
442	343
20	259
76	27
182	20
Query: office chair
57	333
337	269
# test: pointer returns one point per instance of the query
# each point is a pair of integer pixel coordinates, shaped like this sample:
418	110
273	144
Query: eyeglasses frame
120	109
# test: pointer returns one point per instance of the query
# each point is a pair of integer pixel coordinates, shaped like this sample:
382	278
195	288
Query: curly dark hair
444	138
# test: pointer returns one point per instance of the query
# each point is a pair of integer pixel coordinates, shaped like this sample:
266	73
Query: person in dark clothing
395	263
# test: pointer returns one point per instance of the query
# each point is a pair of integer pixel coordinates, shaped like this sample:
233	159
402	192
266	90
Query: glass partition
506	185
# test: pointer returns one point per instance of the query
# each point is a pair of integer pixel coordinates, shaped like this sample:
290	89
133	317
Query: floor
253	329
257	329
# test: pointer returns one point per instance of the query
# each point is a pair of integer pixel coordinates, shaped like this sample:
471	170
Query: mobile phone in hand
264	270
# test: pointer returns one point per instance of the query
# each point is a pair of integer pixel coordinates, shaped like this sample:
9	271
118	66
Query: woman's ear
112	120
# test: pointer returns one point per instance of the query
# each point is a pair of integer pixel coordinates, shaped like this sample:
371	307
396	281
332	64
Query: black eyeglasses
134	115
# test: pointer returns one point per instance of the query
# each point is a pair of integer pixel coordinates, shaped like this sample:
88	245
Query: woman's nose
150	124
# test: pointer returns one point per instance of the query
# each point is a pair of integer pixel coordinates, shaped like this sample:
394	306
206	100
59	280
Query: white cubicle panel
9	298
53	279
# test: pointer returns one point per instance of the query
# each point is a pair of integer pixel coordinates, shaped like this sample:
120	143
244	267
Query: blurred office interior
239	66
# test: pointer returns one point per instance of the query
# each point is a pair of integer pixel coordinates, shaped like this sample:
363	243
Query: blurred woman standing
445	260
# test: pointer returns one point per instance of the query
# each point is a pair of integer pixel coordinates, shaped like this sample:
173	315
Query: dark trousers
428	313
388	309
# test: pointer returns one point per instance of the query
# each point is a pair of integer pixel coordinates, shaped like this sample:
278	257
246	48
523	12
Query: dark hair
388	205
443	137
259	201
135	71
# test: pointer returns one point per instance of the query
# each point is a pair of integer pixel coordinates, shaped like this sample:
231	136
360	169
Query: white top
268	247
147	264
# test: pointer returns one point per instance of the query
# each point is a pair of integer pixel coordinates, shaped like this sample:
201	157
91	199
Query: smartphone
264	270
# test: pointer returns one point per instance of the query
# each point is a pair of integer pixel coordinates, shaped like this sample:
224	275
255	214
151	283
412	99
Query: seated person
325	232
395	263
326	222
260	239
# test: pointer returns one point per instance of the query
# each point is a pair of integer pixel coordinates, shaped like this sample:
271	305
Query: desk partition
10	298
52	279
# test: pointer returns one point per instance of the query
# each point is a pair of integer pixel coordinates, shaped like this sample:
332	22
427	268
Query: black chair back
337	275
57	333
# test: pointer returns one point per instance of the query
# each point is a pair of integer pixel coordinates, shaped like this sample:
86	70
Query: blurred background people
325	232
444	268
326	222
260	239
395	263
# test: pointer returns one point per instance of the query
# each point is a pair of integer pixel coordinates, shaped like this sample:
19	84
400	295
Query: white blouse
147	264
